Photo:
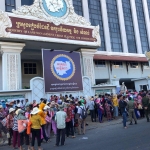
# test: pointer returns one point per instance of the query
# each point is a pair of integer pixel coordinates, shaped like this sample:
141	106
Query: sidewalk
93	125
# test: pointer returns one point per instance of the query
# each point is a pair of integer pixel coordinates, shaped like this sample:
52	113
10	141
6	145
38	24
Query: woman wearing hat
22	129
9	124
16	135
36	123
48	121
43	116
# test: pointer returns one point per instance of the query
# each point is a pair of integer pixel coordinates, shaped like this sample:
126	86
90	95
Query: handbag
139	106
29	128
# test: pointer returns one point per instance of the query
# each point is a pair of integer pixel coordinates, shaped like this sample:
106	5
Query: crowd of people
63	116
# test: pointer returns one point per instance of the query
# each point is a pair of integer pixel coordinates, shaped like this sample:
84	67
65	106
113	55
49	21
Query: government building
112	49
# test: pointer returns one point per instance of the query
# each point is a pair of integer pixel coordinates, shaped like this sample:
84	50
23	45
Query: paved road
108	136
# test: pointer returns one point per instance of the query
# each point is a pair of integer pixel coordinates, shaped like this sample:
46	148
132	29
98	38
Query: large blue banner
62	71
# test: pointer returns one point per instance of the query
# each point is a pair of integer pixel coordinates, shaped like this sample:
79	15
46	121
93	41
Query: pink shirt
21	127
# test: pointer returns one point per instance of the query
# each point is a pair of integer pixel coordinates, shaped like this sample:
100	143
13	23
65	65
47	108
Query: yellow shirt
36	121
115	102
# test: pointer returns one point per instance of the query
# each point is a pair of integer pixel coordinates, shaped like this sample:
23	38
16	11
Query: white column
18	3
87	63
105	25
122	26
147	21
11	65
136	27
2	5
115	82
85	9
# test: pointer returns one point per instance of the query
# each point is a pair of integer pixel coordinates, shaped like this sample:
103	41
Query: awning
119	58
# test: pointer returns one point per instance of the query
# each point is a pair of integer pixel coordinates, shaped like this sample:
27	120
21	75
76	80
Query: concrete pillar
85	9
147	21
11	65
136	27
2	5
87	63
105	25
115	82
122	26
18	3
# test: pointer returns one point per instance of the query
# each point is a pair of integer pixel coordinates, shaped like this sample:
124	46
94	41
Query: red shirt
9	121
69	114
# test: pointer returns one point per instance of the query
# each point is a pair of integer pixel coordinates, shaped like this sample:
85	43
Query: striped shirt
15	124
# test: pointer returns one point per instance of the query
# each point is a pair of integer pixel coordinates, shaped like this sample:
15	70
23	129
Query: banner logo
62	67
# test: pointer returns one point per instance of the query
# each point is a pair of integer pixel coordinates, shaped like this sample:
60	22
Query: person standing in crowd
108	110
3	104
122	106
48	121
145	102
27	113
22	129
69	124
53	111
100	110
91	108
81	120
43	116
130	107
60	119
3	129
36	123
26	103
140	107
34	103
115	105
9	124
16	135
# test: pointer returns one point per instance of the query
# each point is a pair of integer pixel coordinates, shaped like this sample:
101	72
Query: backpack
83	113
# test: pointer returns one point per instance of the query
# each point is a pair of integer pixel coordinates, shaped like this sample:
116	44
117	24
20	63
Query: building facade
125	37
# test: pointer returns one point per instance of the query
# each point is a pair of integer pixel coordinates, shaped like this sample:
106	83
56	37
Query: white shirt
61	119
80	110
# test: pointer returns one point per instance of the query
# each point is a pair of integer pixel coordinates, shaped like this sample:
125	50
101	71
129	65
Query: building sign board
62	71
49	21
46	29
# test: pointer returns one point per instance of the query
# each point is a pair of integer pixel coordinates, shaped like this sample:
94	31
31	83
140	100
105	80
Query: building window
9	5
146	65
26	2
129	26
134	65
142	26
117	64
30	68
96	19
77	4
100	63
114	28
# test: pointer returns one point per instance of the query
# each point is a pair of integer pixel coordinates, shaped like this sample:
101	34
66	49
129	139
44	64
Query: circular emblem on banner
55	8
62	67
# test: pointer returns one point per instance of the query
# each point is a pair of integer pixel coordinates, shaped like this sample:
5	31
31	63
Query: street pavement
107	136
